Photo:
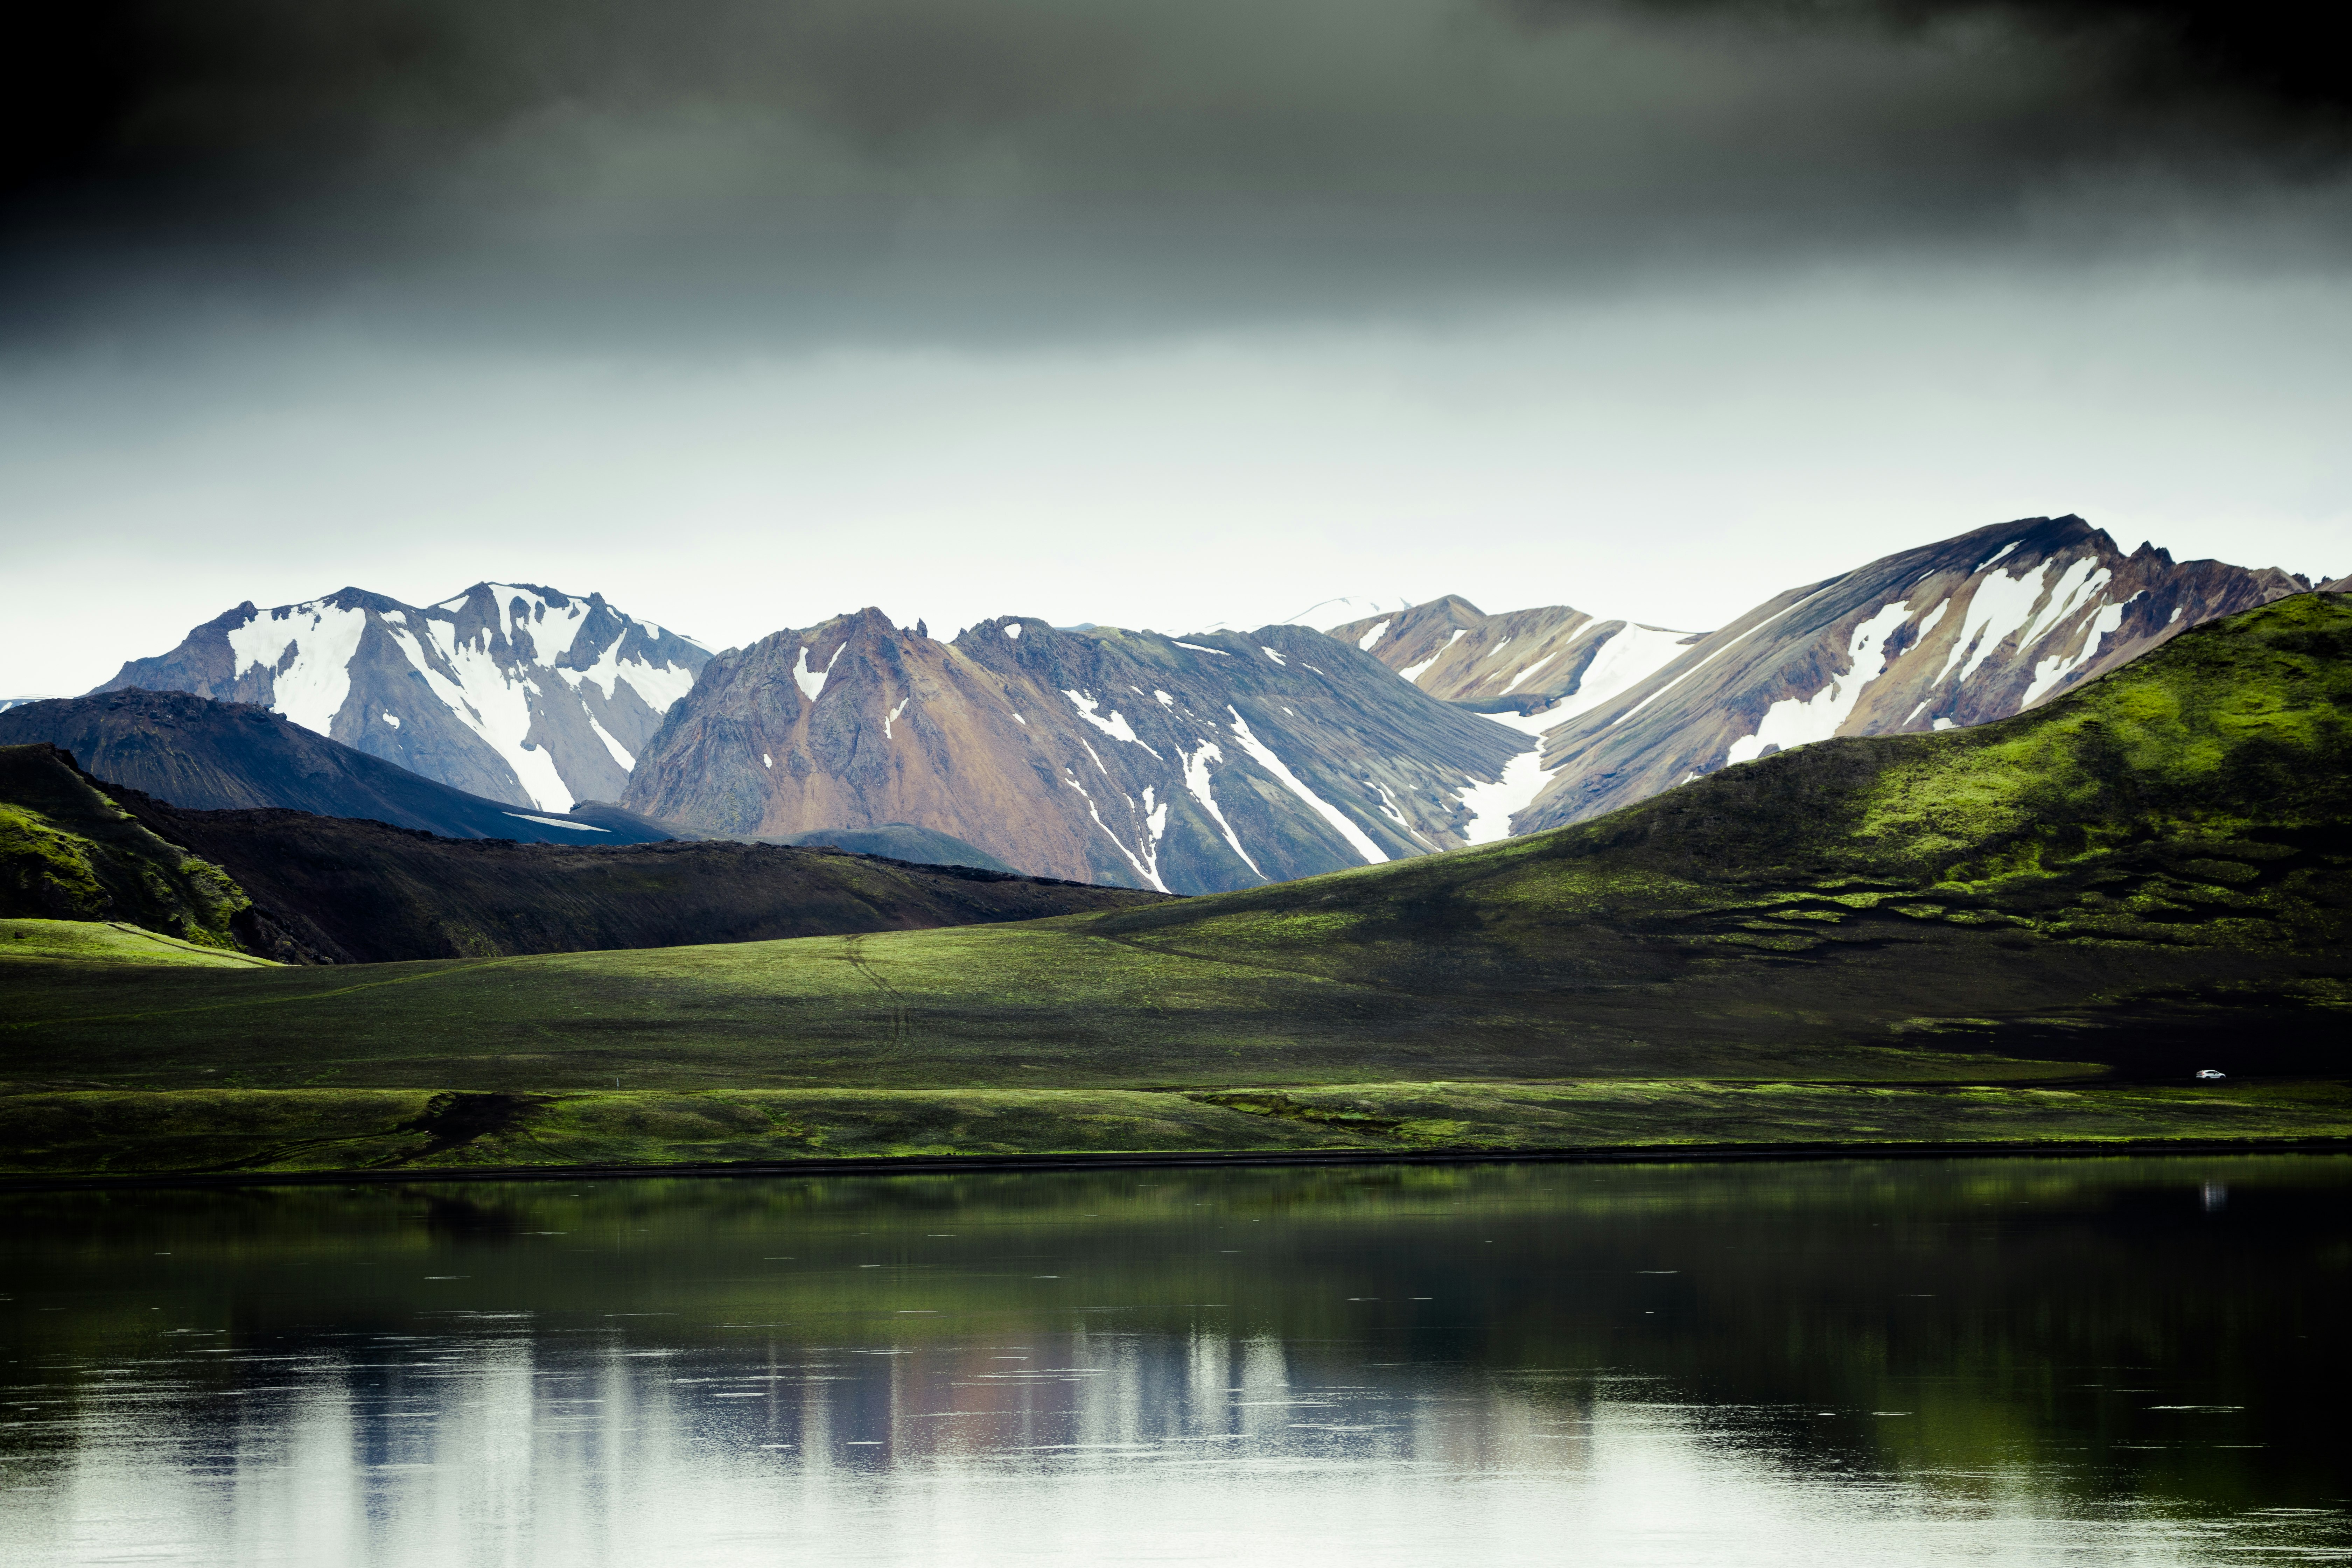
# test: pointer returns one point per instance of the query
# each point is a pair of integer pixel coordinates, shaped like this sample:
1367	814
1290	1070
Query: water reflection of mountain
1617	1364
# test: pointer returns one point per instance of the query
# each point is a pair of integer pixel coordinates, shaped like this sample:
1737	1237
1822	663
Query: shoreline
947	1164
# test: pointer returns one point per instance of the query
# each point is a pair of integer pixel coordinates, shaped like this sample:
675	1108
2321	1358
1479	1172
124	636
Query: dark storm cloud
944	166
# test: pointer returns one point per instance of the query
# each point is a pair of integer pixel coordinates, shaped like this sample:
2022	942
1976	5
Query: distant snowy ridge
1553	660
1960	632
513	691
1214	759
1964	631
1529	670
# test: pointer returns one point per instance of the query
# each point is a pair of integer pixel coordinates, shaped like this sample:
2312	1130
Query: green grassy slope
113	942
69	852
2149	873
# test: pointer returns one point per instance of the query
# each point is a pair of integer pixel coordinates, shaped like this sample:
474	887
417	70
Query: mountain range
510	691
1191	764
2147	873
1184	765
1946	636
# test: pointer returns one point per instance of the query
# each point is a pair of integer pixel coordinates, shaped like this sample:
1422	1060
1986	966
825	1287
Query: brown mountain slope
1220	761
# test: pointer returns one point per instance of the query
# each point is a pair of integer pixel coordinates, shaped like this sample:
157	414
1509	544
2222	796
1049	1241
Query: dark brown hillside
358	891
220	756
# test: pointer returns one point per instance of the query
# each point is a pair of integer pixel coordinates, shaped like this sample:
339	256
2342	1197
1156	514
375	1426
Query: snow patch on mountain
307	650
1492	806
1626	659
1413	671
1197	785
1145	868
1745	637
1520	679
494	700
2049	672
657	686
1116	727
810	681
2024	606
620	753
1263	754
1796	721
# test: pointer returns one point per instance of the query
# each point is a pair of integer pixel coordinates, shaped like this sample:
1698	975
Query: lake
2087	1361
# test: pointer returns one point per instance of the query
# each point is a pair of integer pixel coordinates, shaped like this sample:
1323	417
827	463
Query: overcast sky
747	314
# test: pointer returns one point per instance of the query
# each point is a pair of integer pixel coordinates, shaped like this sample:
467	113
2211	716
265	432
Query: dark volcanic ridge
305	889
221	756
355	891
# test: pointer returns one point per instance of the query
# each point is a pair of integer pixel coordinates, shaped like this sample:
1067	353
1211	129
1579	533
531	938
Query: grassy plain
116	1133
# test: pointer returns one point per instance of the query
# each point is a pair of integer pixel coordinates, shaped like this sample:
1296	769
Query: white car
2210	1072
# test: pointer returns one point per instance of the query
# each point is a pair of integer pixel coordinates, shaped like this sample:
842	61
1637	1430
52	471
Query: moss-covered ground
228	1130
2148	876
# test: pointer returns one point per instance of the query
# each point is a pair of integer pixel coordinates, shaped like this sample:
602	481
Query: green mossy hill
67	852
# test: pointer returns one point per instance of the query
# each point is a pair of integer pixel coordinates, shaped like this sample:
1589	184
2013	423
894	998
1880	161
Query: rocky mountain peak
1552	660
1213	761
515	691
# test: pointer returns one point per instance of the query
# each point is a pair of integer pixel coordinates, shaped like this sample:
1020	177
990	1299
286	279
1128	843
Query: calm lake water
2000	1361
